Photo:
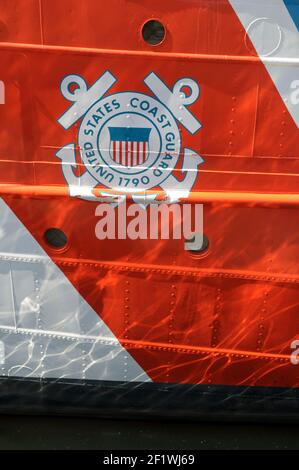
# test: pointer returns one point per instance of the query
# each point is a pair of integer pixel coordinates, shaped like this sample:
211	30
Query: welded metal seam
183	271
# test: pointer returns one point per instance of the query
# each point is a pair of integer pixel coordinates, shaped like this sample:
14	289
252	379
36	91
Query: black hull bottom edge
147	400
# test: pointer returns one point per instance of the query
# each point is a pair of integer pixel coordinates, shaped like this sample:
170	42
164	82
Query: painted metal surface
148	310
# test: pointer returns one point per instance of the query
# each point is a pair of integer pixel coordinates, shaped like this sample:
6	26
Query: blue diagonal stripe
293	7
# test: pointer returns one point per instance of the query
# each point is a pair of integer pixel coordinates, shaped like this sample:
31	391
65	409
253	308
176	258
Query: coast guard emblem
129	142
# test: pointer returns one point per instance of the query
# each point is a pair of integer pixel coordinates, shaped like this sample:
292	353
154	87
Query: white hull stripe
274	33
46	328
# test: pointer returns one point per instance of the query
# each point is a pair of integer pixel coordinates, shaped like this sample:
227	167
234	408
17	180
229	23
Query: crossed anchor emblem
129	142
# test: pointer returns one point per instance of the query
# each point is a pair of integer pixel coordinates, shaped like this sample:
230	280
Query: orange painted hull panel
226	317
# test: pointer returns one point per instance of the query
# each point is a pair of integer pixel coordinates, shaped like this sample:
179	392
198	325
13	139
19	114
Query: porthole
55	238
153	32
193	247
